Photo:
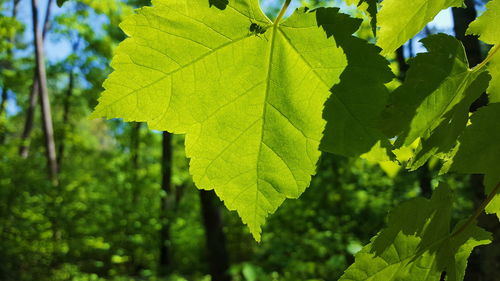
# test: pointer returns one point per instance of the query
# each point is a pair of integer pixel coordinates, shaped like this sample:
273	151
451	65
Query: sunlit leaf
247	93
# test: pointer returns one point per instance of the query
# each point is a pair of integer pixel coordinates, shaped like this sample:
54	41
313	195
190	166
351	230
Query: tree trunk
424	179
166	208
66	109
130	229
33	100
134	155
216	241
3	102
402	65
44	97
461	19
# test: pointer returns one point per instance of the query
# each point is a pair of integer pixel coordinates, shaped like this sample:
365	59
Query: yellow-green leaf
401	20
248	94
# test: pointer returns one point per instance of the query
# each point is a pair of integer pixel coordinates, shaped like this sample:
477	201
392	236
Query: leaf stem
282	11
479	210
493	51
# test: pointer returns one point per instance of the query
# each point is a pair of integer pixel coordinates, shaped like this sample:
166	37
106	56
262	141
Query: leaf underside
249	102
401	20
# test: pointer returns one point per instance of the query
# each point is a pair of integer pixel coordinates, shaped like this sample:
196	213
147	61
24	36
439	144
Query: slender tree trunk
67	106
402	65
216	241
135	141
461	19
3	102
33	100
134	156
424	179
166	205
179	193
66	113
44	97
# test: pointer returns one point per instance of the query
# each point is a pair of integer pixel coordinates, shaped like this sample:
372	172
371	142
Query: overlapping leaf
488	27
371	8
401	20
417	244
478	151
247	93
491	182
357	101
433	102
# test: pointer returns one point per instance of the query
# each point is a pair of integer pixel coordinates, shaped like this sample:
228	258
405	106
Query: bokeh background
124	206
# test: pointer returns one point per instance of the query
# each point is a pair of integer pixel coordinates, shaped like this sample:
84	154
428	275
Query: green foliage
351	128
479	146
250	108
488	27
401	20
435	111
250	96
478	150
417	244
372	9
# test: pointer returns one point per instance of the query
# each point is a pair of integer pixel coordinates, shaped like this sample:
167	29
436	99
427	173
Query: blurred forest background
99	200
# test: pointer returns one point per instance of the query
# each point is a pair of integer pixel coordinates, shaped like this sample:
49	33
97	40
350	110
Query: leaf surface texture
401	20
248	101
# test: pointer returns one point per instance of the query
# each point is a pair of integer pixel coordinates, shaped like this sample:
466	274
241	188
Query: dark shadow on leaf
219	4
445	60
445	136
352	126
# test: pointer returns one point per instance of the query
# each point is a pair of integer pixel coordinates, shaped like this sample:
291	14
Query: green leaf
417	244
247	93
487	26
401	20
478	151
435	110
479	145
371	9
491	181
351	128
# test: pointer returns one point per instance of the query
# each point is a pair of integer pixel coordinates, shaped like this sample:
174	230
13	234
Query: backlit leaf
401	20
478	151
247	93
487	26
433	102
